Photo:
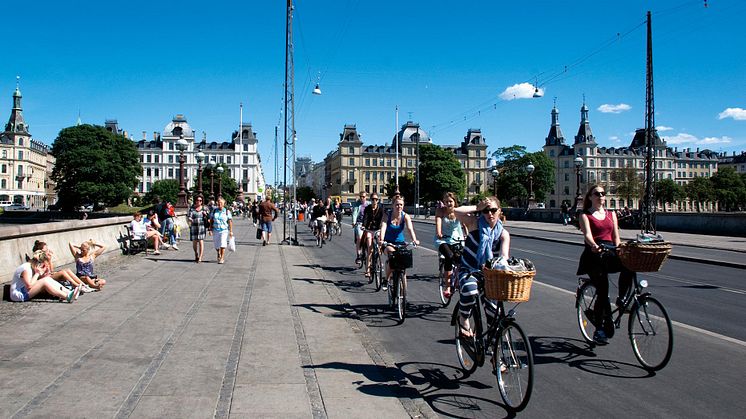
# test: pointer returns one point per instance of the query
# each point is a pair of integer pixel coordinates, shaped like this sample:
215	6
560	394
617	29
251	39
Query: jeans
168	227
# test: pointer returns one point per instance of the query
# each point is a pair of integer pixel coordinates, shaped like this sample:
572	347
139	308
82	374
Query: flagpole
396	146
240	150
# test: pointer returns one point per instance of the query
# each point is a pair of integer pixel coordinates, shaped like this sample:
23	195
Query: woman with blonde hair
29	280
63	275
84	258
392	230
221	222
484	223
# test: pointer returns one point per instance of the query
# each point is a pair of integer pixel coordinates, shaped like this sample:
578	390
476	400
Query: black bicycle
649	327
457	248
399	261
376	264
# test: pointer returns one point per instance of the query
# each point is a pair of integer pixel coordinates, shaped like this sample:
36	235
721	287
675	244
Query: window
20	154
367	175
170	158
3	184
380	189
410	162
567	164
352	150
612	162
380	162
246	147
157	158
375	162
367	161
245	159
551	153
148	158
367	188
4	169
148	172
170	173
171	146
157	172
591	163
221	159
567	190
567	177
388	162
479	164
19	172
228	159
380	176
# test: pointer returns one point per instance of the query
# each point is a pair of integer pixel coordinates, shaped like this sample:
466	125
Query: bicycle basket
508	285
643	257
401	259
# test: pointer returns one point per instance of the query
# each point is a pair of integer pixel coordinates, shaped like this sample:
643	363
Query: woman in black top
371	224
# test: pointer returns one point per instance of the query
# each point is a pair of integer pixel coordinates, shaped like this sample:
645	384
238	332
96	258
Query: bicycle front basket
401	259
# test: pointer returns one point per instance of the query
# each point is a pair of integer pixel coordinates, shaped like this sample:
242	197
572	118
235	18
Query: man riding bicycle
318	218
331	217
371	224
358	210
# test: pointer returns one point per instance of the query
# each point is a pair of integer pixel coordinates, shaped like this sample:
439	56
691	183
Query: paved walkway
259	336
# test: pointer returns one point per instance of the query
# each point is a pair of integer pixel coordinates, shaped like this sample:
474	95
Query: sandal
464	330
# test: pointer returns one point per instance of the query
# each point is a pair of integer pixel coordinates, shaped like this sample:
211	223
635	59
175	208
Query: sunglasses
374	199
602	193
490	210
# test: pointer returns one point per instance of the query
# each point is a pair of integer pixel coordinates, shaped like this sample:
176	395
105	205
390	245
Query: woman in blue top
485	227
447	233
221	221
392	230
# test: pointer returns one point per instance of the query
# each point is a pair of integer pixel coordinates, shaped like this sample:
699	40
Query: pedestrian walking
267	213
221	223
198	218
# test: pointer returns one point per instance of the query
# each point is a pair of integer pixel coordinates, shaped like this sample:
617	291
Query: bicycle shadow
577	353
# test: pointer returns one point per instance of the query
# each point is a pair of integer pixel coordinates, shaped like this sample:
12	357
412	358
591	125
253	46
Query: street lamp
495	174
417	173
211	166
181	201
578	166
200	158
530	169
220	180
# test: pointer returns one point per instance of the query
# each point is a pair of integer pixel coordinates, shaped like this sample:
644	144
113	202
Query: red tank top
602	229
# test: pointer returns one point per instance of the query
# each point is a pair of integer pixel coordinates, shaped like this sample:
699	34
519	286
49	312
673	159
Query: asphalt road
703	379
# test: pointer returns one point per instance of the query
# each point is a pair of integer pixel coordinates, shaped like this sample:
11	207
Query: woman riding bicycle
485	227
371	224
448	233
599	227
392	230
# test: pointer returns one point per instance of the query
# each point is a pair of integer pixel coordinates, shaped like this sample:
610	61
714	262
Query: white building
160	157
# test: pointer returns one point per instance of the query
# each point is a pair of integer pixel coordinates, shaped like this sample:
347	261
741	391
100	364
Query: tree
165	189
305	193
512	182
628	183
729	189
229	185
406	187
667	192
699	190
440	171
94	165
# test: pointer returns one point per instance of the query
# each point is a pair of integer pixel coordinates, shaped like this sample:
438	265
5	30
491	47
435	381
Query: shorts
266	226
220	238
19	294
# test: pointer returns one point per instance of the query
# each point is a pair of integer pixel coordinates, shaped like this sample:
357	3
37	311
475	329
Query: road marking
678	324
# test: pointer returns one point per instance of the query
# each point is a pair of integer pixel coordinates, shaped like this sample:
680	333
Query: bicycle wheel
401	295
650	333
468	348
391	289
584	303
441	280
377	268
363	250
331	232
513	364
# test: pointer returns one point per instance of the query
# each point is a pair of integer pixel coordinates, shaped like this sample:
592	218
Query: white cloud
519	91
614	138
739	114
607	108
662	128
684	138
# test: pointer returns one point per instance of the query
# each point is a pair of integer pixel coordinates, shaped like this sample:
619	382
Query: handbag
258	233
232	244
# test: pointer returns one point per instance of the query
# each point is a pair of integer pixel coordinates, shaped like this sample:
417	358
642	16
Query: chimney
155	135
144	135
697	149
125	134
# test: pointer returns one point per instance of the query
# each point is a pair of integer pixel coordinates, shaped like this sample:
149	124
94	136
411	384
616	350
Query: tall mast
648	204
396	147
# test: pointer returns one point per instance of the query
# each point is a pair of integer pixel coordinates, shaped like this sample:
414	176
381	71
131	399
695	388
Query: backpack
170	210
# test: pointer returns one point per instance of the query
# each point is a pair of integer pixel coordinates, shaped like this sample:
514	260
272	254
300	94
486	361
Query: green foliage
513	181
165	189
475	199
628	183
440	171
699	190
229	185
667	191
94	165
406	188
729	188
305	193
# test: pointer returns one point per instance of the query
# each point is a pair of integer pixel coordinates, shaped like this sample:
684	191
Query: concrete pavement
259	336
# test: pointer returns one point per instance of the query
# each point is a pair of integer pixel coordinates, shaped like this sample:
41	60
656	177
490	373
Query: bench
134	244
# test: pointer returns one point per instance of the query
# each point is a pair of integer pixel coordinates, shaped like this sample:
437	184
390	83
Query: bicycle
457	248
649	327
399	261
376	265
332	228
319	231
512	358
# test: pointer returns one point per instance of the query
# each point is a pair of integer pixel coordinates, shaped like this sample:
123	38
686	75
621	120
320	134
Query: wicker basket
507	285
643	257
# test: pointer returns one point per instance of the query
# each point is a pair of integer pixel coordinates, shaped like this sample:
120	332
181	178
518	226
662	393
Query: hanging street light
317	90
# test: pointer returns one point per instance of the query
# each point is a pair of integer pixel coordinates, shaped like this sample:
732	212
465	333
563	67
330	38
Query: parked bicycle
648	326
399	261
512	359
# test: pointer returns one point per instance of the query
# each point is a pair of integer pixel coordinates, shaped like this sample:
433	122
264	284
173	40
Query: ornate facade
160	157
24	169
603	164
355	167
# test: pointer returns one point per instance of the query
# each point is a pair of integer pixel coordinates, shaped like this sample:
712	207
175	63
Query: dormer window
177	131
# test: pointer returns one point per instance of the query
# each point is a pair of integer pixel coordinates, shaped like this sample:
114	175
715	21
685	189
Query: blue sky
447	63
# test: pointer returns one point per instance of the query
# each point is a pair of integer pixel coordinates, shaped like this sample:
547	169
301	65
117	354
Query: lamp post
495	174
417	174
578	200
181	201
530	169
220	180
200	158
211	166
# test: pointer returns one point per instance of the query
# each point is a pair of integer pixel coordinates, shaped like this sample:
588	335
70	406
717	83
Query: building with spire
160	157
23	162
615	166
